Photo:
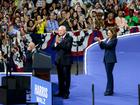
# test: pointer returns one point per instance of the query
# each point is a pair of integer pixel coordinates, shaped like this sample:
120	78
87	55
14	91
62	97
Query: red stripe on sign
79	53
77	33
100	34
49	42
90	39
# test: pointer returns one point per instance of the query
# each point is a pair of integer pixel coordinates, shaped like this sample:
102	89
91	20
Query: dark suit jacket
110	50
63	51
29	61
1	66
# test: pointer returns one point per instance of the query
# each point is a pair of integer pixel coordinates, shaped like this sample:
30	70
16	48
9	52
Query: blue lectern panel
41	91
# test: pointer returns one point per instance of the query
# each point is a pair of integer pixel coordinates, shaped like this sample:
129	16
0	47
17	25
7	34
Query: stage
126	76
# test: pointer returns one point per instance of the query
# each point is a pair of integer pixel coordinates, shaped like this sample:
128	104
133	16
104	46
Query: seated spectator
23	25
82	23
131	19
138	5
40	25
110	21
80	11
65	20
125	9
44	14
75	26
30	28
90	24
71	10
58	8
99	21
52	24
5	46
17	59
17	24
93	15
75	15
98	8
121	22
74	2
40	3
66	8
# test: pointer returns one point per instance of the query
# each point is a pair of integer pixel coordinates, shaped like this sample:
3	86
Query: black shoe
108	93
58	95
66	96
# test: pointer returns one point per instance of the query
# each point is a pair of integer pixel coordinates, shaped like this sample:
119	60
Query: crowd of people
24	21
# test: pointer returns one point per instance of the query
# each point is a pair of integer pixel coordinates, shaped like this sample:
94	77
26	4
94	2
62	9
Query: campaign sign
41	91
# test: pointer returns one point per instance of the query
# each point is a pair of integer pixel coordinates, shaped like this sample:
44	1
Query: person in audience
44	14
39	25
90	24
99	21
110	21
74	2
65	20
93	15
17	57
75	15
82	23
98	8
75	26
30	28
121	22
63	61
17	22
131	19
29	57
52	24
109	45
80	11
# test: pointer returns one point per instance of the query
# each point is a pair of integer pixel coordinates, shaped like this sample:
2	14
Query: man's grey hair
62	27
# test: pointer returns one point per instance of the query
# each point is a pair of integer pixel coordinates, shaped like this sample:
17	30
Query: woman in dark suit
109	45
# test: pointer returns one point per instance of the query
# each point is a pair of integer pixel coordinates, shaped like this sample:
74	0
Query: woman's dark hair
29	22
113	31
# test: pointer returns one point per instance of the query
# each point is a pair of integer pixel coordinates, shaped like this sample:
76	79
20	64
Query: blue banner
41	91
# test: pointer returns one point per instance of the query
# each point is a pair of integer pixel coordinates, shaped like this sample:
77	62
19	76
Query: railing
82	40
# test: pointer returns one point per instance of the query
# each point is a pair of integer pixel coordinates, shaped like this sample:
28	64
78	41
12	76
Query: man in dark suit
29	57
63	60
109	45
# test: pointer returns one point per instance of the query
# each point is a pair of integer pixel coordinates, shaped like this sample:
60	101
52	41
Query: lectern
41	65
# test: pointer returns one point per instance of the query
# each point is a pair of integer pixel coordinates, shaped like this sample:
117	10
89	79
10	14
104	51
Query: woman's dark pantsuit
109	71
64	78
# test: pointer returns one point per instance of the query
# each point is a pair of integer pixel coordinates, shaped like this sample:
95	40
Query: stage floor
126	92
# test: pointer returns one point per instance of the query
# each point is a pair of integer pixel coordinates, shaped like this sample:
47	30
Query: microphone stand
79	43
9	57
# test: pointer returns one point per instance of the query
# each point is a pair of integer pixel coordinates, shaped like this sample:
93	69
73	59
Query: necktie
61	39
